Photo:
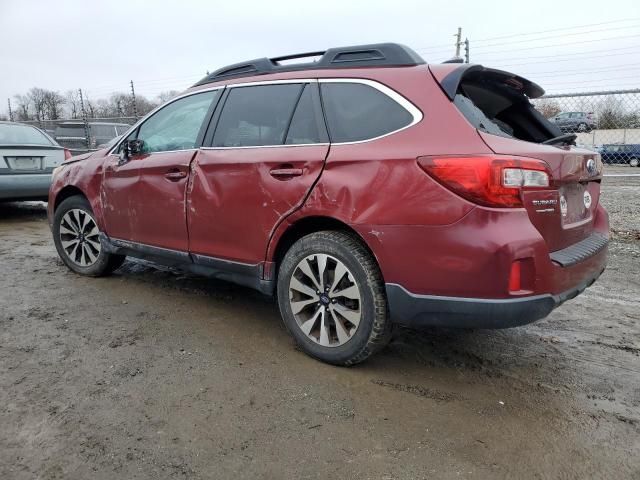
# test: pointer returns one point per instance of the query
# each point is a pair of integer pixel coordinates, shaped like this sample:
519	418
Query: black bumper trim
580	251
415	311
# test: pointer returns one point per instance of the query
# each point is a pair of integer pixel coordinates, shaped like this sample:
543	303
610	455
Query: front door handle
286	172
175	175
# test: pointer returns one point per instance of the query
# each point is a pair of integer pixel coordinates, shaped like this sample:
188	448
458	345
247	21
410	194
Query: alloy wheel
79	237
325	300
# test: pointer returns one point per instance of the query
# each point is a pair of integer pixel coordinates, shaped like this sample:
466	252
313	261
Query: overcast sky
100	46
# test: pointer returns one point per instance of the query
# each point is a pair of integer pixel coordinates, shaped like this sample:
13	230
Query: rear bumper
415	311
25	186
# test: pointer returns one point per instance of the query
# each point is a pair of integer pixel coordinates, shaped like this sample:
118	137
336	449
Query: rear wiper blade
567	139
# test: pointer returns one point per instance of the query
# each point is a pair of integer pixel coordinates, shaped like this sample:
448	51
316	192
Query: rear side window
103	131
356	111
307	124
256	116
70	131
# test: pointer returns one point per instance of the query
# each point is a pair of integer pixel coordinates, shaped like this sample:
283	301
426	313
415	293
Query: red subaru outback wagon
362	189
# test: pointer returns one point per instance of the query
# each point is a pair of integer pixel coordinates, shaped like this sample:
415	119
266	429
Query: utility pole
466	50
10	111
84	118
458	42
135	106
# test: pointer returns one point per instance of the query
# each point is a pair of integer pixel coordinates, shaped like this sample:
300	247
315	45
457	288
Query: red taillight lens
67	154
493	181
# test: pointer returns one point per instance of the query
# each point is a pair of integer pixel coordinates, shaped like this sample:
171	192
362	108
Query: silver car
27	159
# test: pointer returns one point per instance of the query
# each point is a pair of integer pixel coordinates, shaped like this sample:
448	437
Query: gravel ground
151	373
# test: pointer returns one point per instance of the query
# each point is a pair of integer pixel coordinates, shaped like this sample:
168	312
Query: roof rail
374	55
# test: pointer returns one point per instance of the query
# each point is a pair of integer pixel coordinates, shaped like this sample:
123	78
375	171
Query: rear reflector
515	277
493	181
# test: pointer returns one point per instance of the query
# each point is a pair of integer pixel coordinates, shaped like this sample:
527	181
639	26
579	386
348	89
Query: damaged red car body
364	189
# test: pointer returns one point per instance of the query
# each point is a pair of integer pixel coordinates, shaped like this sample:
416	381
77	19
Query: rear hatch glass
497	104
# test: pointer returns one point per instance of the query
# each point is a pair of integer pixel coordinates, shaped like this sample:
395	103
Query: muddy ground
155	374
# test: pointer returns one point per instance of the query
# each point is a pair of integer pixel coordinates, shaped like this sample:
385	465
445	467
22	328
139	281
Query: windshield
22	135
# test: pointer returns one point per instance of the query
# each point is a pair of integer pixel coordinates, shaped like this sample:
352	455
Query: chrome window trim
323	144
414	111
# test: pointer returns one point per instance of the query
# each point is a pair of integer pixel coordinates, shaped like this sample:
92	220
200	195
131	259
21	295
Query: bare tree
53	102
548	108
164	97
23	104
610	114
37	97
73	103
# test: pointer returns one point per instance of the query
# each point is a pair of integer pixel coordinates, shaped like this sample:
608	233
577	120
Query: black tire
583	127
374	329
104	264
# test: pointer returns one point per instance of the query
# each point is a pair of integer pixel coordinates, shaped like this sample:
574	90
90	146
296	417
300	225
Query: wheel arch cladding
66	192
308	225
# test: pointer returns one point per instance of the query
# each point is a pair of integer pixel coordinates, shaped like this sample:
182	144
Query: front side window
356	111
176	126
256	115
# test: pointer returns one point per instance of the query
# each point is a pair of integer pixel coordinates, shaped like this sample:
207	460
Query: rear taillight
493	181
67	154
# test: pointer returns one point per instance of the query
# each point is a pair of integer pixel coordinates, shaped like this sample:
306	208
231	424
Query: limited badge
587	200
563	205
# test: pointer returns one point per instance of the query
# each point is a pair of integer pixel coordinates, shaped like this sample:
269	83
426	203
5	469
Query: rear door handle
286	172
175	175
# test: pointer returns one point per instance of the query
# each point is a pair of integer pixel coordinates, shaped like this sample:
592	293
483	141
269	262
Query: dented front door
144	199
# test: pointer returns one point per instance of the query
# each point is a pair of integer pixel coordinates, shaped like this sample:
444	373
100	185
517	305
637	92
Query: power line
529	40
574	54
538	32
635	26
537	47
591	70
557	60
581	72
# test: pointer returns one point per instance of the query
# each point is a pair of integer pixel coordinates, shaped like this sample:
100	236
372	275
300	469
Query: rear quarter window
357	112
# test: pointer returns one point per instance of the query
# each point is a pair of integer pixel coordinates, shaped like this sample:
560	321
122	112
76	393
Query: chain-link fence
81	136
607	121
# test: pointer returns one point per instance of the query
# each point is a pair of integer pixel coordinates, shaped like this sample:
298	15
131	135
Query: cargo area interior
496	103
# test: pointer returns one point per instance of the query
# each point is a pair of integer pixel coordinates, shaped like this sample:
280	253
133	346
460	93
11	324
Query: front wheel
634	162
77	239
332	298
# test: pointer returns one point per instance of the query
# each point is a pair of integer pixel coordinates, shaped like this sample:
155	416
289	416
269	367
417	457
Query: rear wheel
332	298
77	239
634	162
583	127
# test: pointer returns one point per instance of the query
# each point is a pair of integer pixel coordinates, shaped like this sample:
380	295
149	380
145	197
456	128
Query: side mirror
129	148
